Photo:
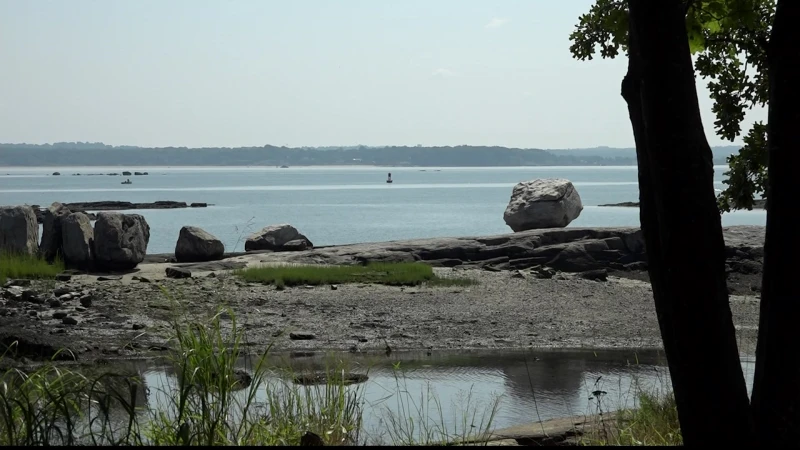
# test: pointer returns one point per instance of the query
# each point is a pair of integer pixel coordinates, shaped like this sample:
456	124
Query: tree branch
727	40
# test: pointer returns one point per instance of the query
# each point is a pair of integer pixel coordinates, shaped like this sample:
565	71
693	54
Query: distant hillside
98	154
720	153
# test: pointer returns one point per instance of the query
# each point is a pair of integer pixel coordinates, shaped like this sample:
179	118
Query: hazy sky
303	72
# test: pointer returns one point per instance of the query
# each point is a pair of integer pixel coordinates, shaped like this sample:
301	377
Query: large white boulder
197	245
543	203
120	240
19	230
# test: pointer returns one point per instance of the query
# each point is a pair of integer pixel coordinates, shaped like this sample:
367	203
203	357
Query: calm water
528	386
334	205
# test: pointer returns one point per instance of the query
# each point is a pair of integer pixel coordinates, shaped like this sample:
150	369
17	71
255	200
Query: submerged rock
542	203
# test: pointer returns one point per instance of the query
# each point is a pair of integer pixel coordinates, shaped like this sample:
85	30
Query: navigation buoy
389	180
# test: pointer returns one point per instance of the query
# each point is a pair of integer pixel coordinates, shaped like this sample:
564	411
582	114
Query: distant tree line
99	154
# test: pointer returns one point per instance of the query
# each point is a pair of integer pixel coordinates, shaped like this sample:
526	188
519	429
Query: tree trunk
776	397
683	232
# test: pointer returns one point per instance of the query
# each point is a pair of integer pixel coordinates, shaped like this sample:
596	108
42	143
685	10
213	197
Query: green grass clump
393	274
14	265
59	406
653	423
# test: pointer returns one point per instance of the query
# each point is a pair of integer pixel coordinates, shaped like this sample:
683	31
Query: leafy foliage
730	40
747	174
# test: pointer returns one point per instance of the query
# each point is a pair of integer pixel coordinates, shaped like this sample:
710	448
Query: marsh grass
58	406
211	401
13	265
652	421
393	274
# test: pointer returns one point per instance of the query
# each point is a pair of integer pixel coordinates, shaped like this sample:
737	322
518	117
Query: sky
204	73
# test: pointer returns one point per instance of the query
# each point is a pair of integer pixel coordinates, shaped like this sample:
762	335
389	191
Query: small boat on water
128	181
389	180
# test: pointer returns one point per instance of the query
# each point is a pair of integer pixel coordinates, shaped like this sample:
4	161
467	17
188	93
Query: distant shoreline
316	166
78	154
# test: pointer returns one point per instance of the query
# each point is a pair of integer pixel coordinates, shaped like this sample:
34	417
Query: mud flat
549	304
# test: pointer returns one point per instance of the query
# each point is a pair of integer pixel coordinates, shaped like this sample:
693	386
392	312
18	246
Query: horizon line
599	147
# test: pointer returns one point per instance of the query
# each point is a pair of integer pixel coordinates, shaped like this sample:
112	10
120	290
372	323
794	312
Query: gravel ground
130	318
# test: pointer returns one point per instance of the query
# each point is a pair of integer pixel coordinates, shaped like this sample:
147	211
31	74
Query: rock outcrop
275	237
118	205
566	250
197	245
542	203
19	232
77	241
120	240
52	219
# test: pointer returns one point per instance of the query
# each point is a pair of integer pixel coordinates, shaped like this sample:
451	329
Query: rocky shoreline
566	288
757	204
111	205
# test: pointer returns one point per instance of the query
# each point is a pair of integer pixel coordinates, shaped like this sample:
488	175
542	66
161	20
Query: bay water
333	205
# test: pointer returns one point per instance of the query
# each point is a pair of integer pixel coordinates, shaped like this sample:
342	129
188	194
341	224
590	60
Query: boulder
295	245
197	245
542	203
120	240
273	238
19	231
77	240
52	220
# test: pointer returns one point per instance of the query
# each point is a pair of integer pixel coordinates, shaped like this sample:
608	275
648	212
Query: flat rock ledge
563	249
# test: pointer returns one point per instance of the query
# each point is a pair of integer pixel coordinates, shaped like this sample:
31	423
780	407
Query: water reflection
457	388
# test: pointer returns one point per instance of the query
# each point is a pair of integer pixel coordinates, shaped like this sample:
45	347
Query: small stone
519	274
69	321
33	313
55	303
63	277
65	297
18	283
596	275
211	275
362	339
138	326
301	336
80	309
109	278
86	301
31	296
13	293
58	292
334	287
178	272
59	314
